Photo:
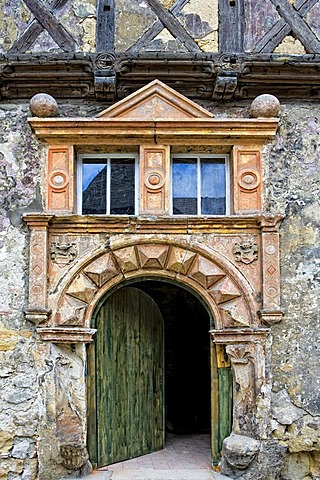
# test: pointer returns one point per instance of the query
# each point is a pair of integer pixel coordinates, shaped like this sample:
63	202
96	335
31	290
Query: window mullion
198	186
108	192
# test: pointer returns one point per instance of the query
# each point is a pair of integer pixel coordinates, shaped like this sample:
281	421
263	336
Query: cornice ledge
153	224
241	335
270	222
103	130
66	334
37	220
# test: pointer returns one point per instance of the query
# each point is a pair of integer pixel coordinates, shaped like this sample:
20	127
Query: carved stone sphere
265	106
43	105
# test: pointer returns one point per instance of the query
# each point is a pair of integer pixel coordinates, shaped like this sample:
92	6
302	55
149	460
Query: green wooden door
129	377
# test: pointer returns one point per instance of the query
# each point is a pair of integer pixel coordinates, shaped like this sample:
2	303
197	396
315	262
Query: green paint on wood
225	404
129	372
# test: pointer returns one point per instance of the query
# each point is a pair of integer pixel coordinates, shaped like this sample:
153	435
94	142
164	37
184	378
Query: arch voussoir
216	284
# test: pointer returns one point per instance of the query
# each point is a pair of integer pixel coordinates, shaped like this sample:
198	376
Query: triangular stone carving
82	289
154	101
180	260
153	256
224	291
127	259
102	269
71	311
205	272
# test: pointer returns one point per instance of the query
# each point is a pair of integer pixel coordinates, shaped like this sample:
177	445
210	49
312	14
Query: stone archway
215	279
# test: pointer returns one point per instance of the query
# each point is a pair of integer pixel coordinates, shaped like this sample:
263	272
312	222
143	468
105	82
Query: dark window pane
184	186
94	187
122	188
213	186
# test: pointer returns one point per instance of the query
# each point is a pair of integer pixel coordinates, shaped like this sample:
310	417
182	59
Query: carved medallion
245	251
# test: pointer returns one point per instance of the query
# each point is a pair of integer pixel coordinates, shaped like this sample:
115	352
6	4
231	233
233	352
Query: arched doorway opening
152	371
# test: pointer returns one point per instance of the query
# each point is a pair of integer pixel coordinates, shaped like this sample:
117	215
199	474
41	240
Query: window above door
155	122
109	184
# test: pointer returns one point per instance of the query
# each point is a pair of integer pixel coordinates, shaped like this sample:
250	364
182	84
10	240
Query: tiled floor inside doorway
181	452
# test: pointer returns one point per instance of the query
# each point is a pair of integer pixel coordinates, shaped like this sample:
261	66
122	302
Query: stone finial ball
265	106
43	105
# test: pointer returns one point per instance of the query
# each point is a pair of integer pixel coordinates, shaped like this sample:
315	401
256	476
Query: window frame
198	156
108	157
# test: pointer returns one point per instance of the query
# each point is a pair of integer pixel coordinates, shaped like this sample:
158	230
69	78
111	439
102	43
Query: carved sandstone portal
222	290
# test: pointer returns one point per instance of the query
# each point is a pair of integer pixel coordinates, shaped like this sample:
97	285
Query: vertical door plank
130	411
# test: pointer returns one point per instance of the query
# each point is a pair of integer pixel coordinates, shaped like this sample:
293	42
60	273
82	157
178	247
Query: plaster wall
29	393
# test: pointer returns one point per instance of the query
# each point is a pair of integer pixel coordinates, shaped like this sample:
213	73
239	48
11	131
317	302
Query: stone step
192	474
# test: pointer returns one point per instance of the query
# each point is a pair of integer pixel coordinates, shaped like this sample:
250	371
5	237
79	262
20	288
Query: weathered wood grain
51	24
225	404
231	18
173	25
129	370
156	28
29	36
105	25
304	6
281	28
299	28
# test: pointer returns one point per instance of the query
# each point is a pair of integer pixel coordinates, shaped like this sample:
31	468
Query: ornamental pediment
155	100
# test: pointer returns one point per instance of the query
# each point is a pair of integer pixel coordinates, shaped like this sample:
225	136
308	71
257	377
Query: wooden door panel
129	365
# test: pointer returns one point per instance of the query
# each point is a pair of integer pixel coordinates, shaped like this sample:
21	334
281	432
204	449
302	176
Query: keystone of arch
226	293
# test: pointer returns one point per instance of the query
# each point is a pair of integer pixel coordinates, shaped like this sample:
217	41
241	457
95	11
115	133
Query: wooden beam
281	28
156	28
304	6
173	25
105	25
273	37
299	28
32	32
231	20
51	24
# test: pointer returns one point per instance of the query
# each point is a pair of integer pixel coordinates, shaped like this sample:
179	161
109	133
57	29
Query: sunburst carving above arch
227	298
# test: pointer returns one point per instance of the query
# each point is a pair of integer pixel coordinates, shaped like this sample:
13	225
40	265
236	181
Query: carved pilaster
60	179
154	176
37	311
270	312
247	181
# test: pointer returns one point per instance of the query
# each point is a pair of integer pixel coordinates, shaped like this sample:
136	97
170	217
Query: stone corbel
68	335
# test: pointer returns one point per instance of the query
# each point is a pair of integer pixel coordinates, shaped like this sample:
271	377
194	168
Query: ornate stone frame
237	275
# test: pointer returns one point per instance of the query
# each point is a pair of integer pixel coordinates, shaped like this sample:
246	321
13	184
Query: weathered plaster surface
78	17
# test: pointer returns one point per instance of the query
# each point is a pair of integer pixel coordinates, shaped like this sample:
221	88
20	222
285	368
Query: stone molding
66	334
217	281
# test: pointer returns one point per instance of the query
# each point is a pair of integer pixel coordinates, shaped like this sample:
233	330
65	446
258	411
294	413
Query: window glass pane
122	186
184	186
94	187
213	186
